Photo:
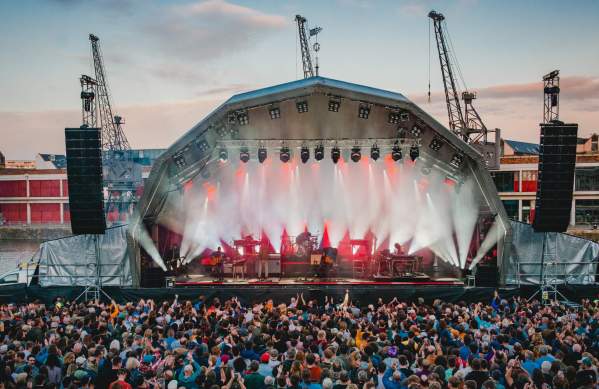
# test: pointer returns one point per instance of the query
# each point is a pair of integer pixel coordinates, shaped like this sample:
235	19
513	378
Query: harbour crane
309	69
113	137
121	177
466	124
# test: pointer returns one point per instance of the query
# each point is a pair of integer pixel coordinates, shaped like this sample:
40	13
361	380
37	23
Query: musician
263	259
326	264
219	264
398	249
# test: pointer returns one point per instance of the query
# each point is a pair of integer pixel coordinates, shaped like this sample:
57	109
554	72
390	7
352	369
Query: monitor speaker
557	159
84	173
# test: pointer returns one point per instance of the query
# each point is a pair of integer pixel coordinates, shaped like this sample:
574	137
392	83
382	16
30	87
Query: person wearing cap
586	377
265	369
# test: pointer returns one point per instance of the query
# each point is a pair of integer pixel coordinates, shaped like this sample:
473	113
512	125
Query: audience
212	344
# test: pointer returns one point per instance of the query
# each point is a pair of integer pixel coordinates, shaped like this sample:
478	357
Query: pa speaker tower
84	172
557	159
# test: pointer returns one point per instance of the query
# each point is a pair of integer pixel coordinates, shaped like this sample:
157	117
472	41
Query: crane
121	177
113	137
309	70
466	124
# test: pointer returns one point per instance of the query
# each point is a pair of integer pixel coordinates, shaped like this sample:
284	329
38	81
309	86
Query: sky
169	63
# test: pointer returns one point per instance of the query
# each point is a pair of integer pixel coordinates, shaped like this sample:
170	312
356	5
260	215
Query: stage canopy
332	115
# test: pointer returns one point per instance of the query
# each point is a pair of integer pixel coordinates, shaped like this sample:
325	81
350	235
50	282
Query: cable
429	60
454	57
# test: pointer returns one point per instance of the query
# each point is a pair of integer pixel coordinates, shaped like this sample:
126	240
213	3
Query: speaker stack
84	173
557	160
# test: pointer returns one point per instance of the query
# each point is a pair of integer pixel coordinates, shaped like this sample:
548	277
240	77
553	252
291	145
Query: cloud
205	30
517	108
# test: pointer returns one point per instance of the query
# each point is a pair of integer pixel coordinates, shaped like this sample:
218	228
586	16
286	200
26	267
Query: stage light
305	154
394	118
180	161
414	153
262	154
334	105
244	154
275	113
375	152
243	118
285	154
436	144
404	116
335	154
319	153
416	131
396	153
363	111
232	118
457	160
356	154
302	106
223	154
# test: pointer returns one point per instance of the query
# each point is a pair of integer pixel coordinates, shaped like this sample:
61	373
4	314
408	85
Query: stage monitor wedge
84	173
557	160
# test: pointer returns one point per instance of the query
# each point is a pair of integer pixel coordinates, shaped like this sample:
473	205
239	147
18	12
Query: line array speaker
84	173
557	160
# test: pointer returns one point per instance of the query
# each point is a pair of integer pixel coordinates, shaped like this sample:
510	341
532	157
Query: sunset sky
170	62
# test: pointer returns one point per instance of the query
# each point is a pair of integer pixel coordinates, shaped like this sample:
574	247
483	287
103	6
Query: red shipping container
44	188
65	188
13	188
14	213
45	213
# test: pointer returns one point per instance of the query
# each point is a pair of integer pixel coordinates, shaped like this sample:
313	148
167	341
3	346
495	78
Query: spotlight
334	105
335	154
302	106
244	154
319	153
396	153
375	152
232	118
416	131
262	154
414	153
285	154
436	144
275	113
223	154
356	154
457	160
394	118
180	161
363	111
305	154
243	118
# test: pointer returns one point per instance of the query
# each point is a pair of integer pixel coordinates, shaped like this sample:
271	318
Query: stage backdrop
72	261
569	259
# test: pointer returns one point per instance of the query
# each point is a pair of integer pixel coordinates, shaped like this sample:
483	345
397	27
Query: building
516	181
38	193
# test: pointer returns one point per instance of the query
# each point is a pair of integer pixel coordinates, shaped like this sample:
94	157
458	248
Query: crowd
302	344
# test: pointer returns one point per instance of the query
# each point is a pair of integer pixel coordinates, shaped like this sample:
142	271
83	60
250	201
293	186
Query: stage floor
203	280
